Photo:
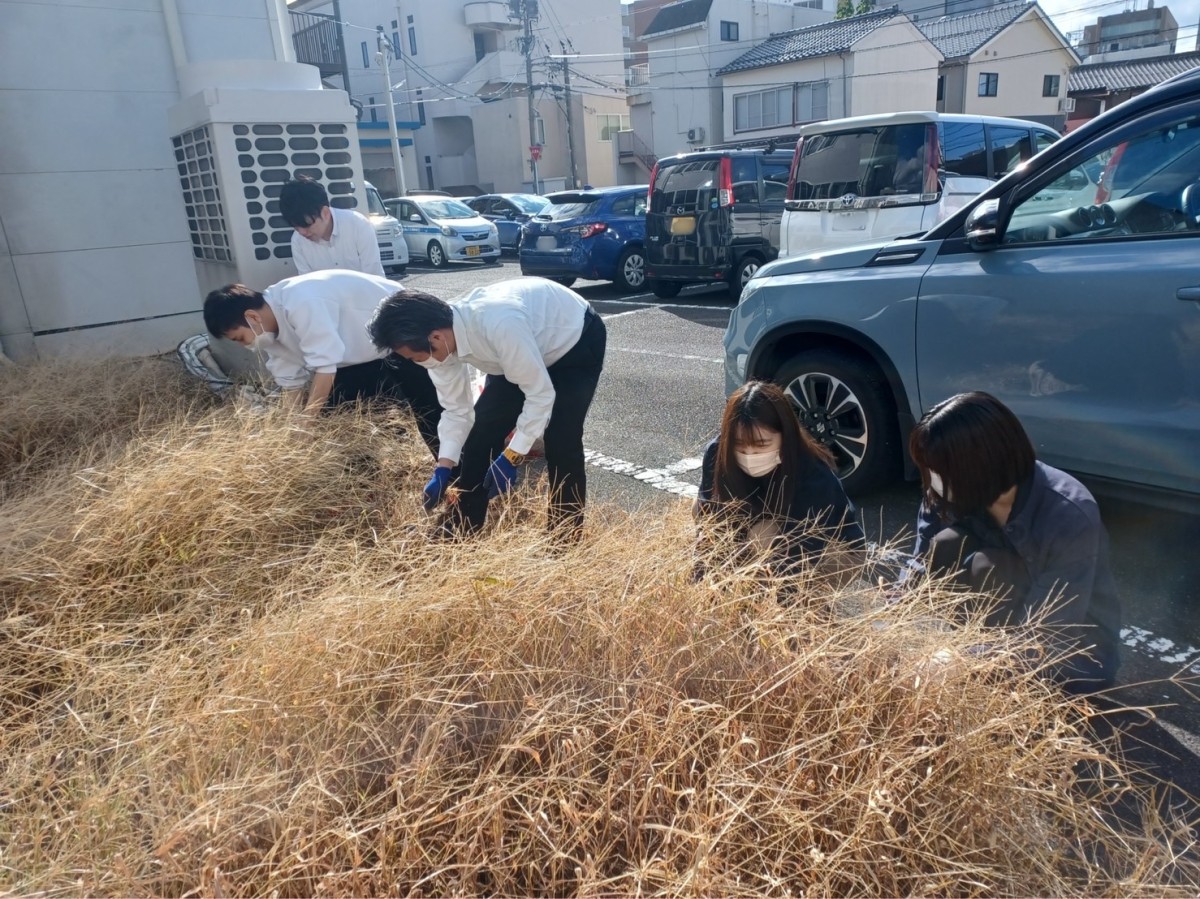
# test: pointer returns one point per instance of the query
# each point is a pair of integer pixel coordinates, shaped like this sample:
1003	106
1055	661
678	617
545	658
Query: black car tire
436	255
565	282
820	381
666	290
631	270
742	272
492	260
395	269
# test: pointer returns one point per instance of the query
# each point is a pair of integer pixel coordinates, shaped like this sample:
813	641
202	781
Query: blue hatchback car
597	234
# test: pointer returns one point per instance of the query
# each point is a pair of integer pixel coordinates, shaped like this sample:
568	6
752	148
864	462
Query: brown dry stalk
236	665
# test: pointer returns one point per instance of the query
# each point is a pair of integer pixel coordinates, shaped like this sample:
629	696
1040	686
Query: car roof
909	118
786	148
595	193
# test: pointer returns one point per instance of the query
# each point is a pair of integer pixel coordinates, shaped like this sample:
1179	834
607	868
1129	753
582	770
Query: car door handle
1188	293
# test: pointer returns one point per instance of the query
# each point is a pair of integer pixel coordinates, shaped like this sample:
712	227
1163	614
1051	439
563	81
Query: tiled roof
964	34
678	15
1130	74
815	40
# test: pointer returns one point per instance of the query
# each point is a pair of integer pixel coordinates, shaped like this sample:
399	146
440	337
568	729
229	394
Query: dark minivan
714	216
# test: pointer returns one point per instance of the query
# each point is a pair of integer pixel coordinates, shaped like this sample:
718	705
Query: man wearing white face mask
769	478
313	330
541	347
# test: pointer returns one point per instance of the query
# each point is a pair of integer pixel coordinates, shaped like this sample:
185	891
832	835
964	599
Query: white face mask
936	485
433	363
758	465
262	339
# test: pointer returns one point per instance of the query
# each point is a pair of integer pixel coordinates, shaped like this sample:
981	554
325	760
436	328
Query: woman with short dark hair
996	520
773	484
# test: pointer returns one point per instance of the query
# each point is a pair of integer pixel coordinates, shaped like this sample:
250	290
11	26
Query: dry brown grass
236	666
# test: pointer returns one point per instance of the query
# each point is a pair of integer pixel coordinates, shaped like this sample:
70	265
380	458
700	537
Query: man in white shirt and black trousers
313	329
541	347
326	237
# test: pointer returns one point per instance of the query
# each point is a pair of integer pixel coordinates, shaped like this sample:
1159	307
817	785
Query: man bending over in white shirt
541	347
313	329
326	237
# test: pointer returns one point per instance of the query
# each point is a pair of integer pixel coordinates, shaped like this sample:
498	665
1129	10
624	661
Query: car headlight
448	231
396	230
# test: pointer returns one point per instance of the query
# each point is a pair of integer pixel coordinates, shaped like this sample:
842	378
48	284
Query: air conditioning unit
1067	104
695	135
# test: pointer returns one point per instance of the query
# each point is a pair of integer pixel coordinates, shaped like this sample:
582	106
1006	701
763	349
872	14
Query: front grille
481	235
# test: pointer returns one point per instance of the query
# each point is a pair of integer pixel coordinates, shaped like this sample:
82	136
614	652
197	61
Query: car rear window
686	186
866	162
569	206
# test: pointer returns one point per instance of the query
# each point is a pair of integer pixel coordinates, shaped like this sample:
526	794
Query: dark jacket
818	512
1056	530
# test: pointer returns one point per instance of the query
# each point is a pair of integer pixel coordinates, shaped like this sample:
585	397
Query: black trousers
396	379
574	377
980	567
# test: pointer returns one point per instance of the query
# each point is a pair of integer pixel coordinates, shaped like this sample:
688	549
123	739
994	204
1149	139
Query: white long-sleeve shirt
515	329
322	319
352	246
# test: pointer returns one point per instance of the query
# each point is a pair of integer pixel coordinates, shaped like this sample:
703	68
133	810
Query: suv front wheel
844	403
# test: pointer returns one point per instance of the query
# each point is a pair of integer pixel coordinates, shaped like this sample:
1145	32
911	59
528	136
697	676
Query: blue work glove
502	473
436	488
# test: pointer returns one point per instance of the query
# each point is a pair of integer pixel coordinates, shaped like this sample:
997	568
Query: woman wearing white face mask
773	484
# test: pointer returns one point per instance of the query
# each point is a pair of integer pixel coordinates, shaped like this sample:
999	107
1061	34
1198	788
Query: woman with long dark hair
995	520
772	484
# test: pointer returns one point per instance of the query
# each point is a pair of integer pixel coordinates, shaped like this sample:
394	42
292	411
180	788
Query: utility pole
566	65
383	56
528	11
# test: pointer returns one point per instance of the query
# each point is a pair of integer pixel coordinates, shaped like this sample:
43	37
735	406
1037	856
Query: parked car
393	251
441	229
598	234
714	216
883	176
1083	317
509	212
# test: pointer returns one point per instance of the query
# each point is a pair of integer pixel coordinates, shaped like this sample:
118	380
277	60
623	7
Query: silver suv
1070	290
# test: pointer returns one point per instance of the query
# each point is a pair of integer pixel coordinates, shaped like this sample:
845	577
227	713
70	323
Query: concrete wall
1021	54
895	69
95	255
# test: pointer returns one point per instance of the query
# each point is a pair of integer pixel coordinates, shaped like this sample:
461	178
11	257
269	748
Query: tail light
592	230
791	185
933	160
653	178
725	192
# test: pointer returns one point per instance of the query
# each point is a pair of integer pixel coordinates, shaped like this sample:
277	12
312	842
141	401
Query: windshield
688	185
866	162
570	210
529	203
374	203
445	209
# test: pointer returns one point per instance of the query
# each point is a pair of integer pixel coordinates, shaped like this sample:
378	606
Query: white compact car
393	251
443	229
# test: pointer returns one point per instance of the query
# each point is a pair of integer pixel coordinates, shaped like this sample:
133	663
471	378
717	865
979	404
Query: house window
729	31
941	88
366	56
480	46
374	116
420	107
763	109
412	39
611	124
1050	85
812	102
396	44
395	24
989	84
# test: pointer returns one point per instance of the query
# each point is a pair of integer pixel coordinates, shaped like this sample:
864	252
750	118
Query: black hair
225	308
978	447
407	318
301	201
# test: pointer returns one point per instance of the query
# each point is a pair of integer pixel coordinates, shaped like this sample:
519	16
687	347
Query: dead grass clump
237	666
51	411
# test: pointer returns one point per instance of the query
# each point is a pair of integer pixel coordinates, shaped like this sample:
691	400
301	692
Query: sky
1072	15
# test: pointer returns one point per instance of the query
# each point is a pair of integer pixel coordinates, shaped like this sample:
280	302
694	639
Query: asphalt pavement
660	401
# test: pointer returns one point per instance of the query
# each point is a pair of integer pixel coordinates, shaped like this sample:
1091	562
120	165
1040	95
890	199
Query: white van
879	177
393	250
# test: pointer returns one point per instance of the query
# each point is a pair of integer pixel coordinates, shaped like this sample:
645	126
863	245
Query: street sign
535	152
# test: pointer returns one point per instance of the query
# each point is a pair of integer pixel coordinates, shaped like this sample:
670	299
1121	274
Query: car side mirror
510	215
414	218
983	226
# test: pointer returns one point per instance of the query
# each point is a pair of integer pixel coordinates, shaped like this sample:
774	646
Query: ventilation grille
269	155
202	196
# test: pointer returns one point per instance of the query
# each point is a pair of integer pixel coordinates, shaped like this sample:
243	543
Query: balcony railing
638	75
318	42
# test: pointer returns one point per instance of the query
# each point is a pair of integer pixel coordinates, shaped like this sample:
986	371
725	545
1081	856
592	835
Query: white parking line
1160	649
663	304
641	352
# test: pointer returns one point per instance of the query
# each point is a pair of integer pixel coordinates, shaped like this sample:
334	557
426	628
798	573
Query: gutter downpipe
280	35
175	34
845	86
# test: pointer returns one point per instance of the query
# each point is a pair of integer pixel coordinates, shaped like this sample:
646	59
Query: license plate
547	243
682	227
472	251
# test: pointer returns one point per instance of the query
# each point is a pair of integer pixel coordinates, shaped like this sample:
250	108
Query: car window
1010	147
866	162
775	177
559	211
624	205
1042	140
1148	185
529	204
446	209
686	186
964	149
744	172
